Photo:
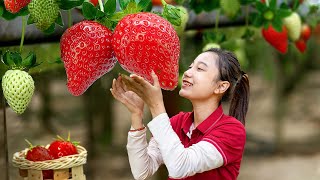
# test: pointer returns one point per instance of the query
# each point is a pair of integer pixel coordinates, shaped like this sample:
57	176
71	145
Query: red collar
209	122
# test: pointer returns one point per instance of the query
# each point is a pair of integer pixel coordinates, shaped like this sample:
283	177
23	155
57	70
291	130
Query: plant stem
69	18
267	3
247	16
101	5
217	21
23	19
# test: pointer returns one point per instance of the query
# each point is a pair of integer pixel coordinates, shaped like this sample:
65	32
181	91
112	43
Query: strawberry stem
23	19
101	5
217	20
69	18
247	16
31	146
68	136
267	3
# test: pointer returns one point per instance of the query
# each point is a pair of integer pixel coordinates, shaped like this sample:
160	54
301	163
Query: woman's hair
238	92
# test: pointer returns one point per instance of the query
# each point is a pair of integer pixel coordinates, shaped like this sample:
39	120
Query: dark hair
238	92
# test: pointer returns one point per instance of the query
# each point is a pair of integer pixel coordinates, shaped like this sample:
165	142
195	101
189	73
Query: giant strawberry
44	13
40	153
279	40
61	147
15	6
144	42
18	88
87	54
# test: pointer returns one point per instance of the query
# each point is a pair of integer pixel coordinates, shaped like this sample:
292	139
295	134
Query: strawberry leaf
50	30
16	58
59	20
69	4
29	61
124	4
23	12
277	24
1	10
273	4
6	59
118	16
89	11
30	20
282	13
172	14
8	16
110	7
144	4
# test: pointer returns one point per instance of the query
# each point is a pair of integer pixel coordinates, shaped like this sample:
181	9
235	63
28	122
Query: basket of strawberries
59	160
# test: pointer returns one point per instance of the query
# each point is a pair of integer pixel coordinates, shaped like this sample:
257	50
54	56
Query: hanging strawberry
144	42
279	40
230	7
301	43
293	25
43	13
39	153
87	54
15	6
17	84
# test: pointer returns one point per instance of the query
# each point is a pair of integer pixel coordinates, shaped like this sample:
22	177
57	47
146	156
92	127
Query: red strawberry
15	6
40	153
87	54
144	42
94	2
278	40
61	147
305	32
301	45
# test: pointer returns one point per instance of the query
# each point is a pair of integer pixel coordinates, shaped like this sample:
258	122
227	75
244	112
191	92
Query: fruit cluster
55	150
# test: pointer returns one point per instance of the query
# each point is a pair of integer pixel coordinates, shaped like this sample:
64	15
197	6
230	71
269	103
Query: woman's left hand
151	94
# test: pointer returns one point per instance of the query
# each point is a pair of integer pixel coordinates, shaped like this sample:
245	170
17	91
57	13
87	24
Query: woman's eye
200	69
189	67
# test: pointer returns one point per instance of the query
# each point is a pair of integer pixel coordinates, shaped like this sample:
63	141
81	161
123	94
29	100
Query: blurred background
283	121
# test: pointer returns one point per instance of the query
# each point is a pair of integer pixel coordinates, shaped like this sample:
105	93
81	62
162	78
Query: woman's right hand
130	99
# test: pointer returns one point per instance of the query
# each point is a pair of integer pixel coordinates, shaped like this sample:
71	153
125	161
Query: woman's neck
202	110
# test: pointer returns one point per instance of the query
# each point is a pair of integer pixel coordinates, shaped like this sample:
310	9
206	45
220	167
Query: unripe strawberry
184	20
210	45
18	88
44	13
293	25
230	7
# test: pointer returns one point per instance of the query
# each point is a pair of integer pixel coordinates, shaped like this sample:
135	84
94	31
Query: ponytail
240	98
238	92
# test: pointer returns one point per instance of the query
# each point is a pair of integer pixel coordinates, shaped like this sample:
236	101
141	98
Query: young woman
204	144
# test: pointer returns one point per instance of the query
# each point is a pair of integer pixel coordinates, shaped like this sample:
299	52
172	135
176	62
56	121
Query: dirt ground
302	122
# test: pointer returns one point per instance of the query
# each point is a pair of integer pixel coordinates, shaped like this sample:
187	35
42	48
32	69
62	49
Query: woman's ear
222	87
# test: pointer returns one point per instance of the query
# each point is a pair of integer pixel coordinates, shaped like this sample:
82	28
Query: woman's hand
130	99
151	94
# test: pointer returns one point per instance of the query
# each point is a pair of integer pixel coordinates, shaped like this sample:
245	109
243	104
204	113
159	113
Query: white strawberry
293	25
18	88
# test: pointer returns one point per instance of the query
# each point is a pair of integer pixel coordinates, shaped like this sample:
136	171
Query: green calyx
268	15
171	13
15	61
76	143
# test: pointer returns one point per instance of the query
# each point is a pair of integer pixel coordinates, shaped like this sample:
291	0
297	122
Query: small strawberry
144	42
87	54
279	40
305	32
94	2
293	25
210	45
18	88
15	6
61	147
230	7
40	153
44	13
301	45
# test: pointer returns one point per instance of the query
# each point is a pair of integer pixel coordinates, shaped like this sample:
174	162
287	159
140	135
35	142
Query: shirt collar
204	125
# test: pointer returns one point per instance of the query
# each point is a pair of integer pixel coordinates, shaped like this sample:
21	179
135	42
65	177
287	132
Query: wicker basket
64	168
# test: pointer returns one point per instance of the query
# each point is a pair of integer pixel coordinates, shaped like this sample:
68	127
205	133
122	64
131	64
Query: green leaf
196	6
29	61
256	19
23	12
1	10
50	30
118	16
143	4
69	4
273	4
282	13
131	8
277	24
210	5
123	4
59	20
246	2
99	14
261	7
172	14
8	16
89	11
6	59
110	7
16	58
30	20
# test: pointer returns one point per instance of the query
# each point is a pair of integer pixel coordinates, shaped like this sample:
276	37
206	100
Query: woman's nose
188	73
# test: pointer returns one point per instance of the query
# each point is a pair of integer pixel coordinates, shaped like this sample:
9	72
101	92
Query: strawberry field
58	59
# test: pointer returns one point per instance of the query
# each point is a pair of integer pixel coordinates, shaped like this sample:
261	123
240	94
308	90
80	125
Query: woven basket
64	168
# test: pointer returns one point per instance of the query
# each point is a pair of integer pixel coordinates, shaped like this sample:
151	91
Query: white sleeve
144	159
180	161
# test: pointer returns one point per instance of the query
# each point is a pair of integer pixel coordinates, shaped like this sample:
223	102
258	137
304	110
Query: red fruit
61	147
144	42
305	32
87	54
301	45
94	2
15	6
39	153
279	40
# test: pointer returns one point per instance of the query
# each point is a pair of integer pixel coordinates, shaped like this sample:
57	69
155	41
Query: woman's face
201	79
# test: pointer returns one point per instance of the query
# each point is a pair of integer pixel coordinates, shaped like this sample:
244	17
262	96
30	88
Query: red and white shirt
212	150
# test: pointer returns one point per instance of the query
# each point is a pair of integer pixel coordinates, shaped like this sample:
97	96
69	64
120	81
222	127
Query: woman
199	145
